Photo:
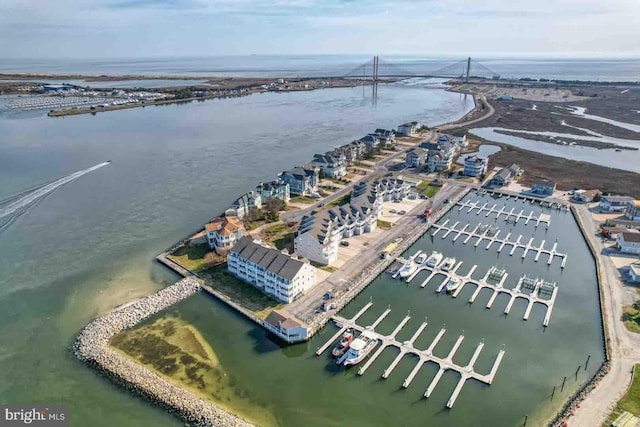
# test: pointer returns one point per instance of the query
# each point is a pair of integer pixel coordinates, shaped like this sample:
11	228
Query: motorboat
434	259
453	284
448	264
359	349
421	258
343	345
408	269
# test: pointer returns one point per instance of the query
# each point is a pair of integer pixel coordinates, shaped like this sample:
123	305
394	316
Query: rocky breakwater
92	347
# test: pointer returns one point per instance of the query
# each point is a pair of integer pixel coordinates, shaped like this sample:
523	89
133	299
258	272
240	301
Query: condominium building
318	238
275	273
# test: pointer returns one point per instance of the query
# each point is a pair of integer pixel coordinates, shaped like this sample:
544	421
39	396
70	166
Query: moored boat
343	345
448	264
453	284
434	259
421	258
359	349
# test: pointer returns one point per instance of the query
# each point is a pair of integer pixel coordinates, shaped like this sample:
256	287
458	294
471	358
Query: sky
437	28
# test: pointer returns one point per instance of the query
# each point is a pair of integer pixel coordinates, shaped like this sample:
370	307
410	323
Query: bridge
376	69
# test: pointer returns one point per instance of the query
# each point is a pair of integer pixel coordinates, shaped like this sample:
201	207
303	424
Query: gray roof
417	151
270	259
617	199
317	224
475	159
504	174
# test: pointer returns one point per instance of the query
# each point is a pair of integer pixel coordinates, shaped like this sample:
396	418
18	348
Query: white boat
434	259
421	258
448	264
408	269
359	349
453	284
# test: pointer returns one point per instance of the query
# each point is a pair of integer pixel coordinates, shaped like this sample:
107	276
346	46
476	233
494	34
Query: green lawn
302	199
631	318
428	189
195	257
630	402
341	200
240	292
280	235
385	225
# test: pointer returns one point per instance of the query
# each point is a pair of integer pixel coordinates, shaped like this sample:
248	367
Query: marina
424	356
492	235
509	215
539	291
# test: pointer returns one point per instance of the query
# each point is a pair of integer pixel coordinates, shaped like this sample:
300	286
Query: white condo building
275	273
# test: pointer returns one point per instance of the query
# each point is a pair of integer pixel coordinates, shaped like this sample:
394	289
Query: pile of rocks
92	347
574	402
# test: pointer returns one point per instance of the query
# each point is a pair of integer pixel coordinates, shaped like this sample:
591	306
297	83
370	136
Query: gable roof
270	259
224	226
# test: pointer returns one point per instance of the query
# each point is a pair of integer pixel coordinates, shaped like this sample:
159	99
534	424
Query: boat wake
14	206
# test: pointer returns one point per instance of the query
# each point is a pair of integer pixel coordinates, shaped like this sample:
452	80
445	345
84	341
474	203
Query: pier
539	291
508	215
466	372
492	235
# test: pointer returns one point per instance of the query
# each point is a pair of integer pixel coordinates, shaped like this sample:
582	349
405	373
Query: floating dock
466	372
539	291
492	235
509	215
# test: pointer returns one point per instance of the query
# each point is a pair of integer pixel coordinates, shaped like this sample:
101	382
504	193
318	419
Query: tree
597	197
271	207
321	174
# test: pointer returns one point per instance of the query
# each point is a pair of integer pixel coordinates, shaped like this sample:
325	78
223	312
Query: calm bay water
330	65
302	389
89	246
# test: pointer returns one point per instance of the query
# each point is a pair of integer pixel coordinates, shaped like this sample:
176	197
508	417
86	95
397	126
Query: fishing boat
343	345
359	349
409	267
434	259
448	264
453	284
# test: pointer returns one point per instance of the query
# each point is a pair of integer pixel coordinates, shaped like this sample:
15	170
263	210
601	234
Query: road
625	345
379	169
461	123
340	280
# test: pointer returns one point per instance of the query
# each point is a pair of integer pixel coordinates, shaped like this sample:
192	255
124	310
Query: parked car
344	243
447	200
392	211
402	212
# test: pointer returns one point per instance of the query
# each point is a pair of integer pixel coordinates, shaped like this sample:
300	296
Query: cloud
432	27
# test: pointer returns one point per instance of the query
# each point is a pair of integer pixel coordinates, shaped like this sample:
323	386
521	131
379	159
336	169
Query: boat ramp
466	372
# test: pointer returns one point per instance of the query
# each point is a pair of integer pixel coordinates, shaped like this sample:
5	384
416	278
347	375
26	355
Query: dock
466	372
492	235
494	279
508	215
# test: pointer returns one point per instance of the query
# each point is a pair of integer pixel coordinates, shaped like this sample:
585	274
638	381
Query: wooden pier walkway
466	372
